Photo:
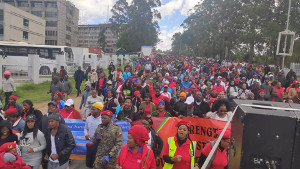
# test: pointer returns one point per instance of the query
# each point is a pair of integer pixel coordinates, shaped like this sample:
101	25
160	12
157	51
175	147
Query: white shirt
149	141
53	149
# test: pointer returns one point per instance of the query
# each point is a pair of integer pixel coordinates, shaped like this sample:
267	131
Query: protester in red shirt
220	159
157	97
280	90
69	112
218	87
135	154
181	143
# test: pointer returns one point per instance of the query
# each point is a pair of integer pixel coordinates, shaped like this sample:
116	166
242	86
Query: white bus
16	56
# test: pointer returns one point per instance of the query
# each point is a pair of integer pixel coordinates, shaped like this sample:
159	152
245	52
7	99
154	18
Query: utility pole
287	29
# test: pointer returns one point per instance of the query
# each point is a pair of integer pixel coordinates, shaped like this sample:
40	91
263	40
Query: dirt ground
43	106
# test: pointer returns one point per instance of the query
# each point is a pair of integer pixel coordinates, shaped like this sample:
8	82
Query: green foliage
136	23
102	39
247	28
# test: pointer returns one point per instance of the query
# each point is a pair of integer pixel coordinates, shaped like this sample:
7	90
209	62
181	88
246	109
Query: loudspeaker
296	149
263	138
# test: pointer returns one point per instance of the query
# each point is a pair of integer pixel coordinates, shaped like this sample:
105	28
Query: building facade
61	19
89	35
20	26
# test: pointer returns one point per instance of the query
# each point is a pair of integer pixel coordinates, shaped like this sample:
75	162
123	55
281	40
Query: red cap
166	86
136	92
107	112
226	134
127	68
262	90
160	77
7	73
7	147
170	78
193	79
183	122
13	97
59	94
11	111
295	82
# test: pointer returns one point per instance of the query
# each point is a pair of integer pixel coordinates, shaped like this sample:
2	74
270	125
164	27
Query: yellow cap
98	105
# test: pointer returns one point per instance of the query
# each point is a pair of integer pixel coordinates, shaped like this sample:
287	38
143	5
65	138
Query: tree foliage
136	24
237	27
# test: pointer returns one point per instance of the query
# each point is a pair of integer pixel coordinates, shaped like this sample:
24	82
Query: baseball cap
69	102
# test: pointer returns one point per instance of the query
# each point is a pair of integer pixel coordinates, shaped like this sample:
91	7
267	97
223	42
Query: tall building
61	19
89	35
20	26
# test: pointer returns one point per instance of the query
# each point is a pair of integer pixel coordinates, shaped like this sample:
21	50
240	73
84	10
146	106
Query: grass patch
37	93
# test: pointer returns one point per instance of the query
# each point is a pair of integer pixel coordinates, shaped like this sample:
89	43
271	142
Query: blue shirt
91	125
186	85
126	75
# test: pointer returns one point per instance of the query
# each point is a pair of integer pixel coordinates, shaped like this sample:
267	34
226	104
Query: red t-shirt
100	83
184	151
147	110
134	160
71	114
155	99
220	160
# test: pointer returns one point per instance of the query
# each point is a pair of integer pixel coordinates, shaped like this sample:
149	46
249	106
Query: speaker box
264	138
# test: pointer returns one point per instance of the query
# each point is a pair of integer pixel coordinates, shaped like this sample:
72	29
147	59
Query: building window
68	37
26	23
51	42
37	13
51	14
10	2
51	23
25	35
68	28
37	4
51	33
50	4
23	4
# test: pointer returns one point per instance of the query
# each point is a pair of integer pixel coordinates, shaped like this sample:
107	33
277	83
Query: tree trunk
251	55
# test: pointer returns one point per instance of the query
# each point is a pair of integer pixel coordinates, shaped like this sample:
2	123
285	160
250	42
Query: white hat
69	102
189	100
109	82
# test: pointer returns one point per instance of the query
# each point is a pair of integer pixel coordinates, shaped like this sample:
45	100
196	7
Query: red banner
201	130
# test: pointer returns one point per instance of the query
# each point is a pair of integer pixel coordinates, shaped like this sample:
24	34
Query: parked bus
16	56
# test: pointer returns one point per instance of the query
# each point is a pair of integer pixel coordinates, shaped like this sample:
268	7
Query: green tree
102	39
139	24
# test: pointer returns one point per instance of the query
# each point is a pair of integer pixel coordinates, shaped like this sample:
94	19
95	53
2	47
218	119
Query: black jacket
157	143
44	123
202	109
181	108
38	114
124	114
11	137
64	143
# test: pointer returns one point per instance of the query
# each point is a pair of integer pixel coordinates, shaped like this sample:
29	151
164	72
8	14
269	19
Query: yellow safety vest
173	148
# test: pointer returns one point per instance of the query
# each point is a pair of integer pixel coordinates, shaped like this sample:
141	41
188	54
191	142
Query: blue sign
77	128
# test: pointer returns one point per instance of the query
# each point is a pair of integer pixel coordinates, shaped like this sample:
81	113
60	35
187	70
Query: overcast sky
173	13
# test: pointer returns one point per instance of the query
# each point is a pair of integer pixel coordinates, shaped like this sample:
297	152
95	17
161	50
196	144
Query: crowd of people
160	86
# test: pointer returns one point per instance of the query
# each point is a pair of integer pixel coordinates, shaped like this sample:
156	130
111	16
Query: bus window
32	51
44	53
55	52
22	52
